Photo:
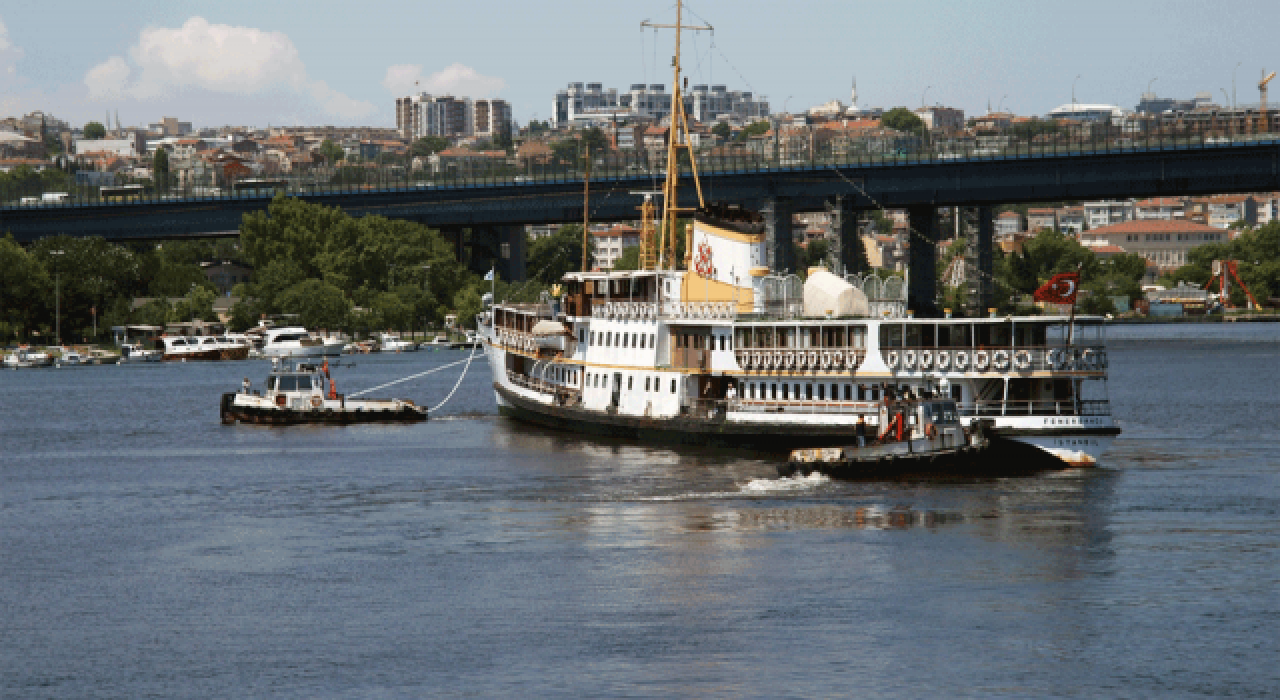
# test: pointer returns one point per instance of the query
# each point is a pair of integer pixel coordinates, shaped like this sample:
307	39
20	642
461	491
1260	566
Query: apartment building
1071	220
942	118
1008	223
610	241
587	103
708	104
1160	208
1164	244
492	118
418	116
1039	219
1108	212
1225	210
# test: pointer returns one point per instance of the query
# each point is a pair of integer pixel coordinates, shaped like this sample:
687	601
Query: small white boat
295	341
24	358
179	348
98	356
131	352
390	343
68	356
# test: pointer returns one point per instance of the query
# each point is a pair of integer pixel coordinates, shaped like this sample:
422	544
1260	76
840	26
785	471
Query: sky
283	62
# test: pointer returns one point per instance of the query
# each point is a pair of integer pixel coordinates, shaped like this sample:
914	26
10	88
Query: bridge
485	212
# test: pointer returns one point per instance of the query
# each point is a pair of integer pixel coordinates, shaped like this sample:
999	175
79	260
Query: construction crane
1262	95
1221	269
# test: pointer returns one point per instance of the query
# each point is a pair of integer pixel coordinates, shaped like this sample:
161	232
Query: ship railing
800	359
643	310
566	393
1040	407
996	359
517	340
867	408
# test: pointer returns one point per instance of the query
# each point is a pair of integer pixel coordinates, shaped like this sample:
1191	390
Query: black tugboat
296	394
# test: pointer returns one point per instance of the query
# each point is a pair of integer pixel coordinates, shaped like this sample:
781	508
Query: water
149	550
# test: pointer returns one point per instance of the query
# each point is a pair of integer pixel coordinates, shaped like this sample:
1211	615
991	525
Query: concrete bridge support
922	288
981	281
846	246
779	248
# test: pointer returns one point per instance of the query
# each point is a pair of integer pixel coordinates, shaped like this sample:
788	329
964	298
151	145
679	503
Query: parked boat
295	341
178	348
98	356
68	357
305	393
391	343
26	358
131	352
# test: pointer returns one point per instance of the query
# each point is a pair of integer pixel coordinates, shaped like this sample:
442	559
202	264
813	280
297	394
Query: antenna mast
677	138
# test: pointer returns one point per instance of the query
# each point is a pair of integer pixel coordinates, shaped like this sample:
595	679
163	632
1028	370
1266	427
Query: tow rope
433	370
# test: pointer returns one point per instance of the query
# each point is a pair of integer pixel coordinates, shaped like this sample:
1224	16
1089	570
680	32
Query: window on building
646	383
633	340
673	386
642	341
629	378
624	340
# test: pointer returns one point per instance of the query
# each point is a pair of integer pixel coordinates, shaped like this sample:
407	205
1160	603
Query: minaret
853	96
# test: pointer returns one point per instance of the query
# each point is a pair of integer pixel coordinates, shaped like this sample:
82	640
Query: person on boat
731	393
245	385
860	429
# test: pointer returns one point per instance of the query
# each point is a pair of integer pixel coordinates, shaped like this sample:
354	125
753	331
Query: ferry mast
677	138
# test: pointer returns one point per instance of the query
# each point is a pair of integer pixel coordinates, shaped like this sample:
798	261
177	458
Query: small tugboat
296	394
920	437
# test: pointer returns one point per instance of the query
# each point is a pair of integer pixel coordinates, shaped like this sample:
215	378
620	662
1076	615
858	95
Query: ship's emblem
702	261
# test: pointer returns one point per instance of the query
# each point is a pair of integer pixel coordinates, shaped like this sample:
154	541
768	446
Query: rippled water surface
146	549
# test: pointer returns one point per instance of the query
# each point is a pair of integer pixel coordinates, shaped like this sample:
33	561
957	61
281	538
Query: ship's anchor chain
433	370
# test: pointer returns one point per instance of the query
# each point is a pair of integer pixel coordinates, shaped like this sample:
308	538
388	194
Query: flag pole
1075	294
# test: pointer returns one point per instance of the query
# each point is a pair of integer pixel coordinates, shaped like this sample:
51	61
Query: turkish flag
1061	289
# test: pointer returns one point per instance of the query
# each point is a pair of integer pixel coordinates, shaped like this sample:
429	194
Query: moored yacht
295	341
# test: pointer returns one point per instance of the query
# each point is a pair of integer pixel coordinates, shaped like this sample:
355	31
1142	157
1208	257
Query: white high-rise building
586	103
435	115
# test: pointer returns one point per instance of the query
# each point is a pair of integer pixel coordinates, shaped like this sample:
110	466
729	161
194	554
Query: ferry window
891	335
642	341
835	392
722	343
629	383
956	392
608	339
774	390
822	392
913	336
673	386
633	340
582	336
653	340
593	338
808	391
288	384
786	392
271	383
848	392
304	383
740	336
646	383
624	340
875	394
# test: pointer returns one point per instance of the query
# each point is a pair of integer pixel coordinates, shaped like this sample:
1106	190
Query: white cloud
216	58
457	79
9	55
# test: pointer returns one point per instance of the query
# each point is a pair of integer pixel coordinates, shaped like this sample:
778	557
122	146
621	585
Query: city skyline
290	65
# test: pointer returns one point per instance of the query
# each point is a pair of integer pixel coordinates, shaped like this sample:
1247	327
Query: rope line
462	376
408	378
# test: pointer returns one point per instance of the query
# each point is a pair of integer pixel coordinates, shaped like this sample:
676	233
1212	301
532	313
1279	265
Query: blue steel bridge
483	210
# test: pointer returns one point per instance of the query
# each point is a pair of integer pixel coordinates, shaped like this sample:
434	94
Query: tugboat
296	394
920	437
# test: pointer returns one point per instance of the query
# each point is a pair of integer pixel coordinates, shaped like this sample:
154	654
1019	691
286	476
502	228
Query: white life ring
981	360
777	359
909	359
755	360
837	358
791	360
316	401
1022	360
926	359
1056	358
944	359
892	359
1000	360
826	360
813	360
962	360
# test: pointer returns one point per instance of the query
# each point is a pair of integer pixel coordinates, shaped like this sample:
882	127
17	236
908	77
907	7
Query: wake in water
785	484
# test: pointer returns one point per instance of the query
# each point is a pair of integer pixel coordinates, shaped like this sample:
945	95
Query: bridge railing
809	147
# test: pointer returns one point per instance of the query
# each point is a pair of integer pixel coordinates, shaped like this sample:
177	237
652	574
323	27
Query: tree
552	256
198	303
723	130
596	140
629	260
536	127
317	303
331	151
902	119
753	129
427	145
160	169
95	130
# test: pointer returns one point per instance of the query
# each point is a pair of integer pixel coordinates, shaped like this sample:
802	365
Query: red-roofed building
1163	243
610	241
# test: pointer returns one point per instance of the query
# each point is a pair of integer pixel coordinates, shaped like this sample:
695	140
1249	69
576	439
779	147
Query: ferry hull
232	413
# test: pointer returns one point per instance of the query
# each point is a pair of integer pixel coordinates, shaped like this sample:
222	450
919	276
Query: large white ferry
727	352
771	363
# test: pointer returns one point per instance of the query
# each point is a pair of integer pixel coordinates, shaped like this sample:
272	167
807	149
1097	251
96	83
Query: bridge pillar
511	252
922	287
981	283
779	248
846	246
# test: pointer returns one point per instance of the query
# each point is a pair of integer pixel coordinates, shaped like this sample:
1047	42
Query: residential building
421	115
1225	210
1008	223
1152	105
1039	219
1071	220
1106	213
170	126
1163	243
1160	208
17	145
1079	112
133	146
582	104
492	119
609	242
1268	207
707	105
945	119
